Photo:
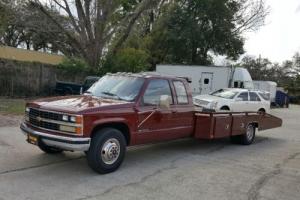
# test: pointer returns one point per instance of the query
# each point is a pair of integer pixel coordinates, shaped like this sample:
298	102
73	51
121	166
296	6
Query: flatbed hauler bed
131	109
230	124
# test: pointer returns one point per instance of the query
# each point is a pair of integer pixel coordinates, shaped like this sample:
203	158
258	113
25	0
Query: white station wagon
234	100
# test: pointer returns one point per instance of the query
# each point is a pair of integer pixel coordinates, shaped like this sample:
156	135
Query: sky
279	39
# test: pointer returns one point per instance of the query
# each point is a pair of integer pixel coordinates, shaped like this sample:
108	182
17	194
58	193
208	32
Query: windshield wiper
113	95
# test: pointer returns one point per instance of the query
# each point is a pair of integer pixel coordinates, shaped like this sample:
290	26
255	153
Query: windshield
117	87
223	93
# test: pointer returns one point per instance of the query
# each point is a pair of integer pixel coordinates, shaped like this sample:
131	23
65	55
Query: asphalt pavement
182	169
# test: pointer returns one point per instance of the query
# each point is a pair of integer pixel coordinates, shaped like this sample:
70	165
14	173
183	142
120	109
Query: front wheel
107	150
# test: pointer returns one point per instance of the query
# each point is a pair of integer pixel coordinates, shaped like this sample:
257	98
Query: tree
93	24
187	31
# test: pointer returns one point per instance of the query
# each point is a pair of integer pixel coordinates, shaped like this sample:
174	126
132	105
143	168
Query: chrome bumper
62	142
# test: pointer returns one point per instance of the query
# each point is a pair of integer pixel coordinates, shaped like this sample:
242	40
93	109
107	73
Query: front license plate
32	139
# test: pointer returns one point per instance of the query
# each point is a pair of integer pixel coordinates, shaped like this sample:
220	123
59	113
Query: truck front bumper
61	142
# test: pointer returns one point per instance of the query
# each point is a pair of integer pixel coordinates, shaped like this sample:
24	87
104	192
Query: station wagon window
254	96
265	95
243	96
181	93
155	89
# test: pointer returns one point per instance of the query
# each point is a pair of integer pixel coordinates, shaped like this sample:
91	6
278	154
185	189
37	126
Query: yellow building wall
11	53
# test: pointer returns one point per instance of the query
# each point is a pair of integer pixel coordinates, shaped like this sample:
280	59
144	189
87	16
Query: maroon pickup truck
127	109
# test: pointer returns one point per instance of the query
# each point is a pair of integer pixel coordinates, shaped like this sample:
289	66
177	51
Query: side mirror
238	99
164	102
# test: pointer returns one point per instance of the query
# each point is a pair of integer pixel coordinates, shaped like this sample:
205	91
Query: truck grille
44	114
35	116
42	124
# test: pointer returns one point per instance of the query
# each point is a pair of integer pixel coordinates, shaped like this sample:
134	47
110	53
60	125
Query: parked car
68	88
235	100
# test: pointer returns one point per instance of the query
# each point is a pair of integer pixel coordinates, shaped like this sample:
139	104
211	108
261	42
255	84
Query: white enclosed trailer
206	79
268	86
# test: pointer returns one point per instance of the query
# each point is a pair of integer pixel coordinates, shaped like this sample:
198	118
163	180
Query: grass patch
12	106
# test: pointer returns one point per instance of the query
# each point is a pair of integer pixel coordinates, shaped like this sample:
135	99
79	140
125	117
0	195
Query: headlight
71	129
27	109
65	118
213	105
73	119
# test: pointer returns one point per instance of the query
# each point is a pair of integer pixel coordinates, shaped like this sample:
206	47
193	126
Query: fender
104	121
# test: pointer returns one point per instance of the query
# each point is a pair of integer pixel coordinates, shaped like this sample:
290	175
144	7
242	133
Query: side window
181	93
155	89
265	96
206	81
236	84
244	96
254	96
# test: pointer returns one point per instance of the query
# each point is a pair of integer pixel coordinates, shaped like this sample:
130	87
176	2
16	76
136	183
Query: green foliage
127	60
286	75
12	106
74	66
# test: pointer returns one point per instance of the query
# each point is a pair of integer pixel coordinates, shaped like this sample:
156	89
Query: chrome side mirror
238	99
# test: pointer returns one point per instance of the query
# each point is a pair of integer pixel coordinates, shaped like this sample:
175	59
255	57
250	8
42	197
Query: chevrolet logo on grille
38	119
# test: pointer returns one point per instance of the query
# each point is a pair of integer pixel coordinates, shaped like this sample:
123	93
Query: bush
73	66
127	60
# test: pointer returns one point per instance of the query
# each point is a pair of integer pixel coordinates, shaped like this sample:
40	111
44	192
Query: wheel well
261	110
255	124
225	108
119	126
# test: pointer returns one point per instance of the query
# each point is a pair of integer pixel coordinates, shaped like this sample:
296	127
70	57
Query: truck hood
74	104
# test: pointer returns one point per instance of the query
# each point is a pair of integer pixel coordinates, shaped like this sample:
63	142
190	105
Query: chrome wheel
250	132
110	151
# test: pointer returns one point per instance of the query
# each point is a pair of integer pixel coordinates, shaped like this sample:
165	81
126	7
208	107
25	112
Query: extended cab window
254	96
155	89
243	96
181	93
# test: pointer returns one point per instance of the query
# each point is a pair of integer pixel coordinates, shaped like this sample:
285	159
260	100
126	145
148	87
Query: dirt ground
7	120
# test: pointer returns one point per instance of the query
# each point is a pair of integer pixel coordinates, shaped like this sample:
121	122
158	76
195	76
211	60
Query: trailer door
206	83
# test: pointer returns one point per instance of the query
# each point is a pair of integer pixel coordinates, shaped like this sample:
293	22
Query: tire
107	151
49	150
245	139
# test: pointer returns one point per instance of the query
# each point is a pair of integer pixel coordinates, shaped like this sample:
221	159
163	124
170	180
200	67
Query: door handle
174	111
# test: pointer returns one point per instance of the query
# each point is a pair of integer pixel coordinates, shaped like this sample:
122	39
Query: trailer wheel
249	136
49	150
245	139
107	150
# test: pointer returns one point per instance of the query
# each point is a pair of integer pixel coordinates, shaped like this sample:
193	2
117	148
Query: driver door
154	122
